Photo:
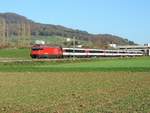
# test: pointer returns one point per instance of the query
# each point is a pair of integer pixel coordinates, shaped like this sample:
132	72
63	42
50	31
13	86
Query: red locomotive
46	51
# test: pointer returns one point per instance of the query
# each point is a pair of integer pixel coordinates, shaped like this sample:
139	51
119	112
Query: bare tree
28	34
2	31
23	34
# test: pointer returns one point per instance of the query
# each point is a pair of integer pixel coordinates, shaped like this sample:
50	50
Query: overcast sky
126	18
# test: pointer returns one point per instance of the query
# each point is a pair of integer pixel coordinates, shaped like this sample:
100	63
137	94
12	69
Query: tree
2	31
24	34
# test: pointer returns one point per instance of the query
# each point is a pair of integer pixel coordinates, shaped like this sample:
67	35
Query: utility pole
7	35
74	45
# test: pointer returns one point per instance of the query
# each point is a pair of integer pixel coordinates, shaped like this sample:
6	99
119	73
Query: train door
147	52
87	53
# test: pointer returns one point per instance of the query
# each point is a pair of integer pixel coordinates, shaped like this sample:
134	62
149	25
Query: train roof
46	46
89	49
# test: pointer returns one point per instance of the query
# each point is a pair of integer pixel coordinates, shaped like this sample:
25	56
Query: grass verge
141	64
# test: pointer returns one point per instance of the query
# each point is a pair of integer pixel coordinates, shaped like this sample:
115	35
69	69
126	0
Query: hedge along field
140	64
75	92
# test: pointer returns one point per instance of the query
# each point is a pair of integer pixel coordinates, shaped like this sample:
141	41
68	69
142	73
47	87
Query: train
47	51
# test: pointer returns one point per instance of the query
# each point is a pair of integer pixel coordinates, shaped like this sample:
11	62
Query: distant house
40	42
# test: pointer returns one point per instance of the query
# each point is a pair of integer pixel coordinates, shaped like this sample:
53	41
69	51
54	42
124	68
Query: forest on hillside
18	31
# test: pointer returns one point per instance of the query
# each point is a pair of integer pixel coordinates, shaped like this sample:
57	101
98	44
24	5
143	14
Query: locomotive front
45	51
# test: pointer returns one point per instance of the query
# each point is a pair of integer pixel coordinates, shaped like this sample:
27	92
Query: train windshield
37	49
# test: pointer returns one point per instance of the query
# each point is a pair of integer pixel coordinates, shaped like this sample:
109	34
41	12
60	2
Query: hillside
17	25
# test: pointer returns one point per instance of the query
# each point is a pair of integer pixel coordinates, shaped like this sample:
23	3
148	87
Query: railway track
5	60
11	60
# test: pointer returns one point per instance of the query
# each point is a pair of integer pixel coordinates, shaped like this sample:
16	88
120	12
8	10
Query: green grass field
119	85
15	53
141	64
75	92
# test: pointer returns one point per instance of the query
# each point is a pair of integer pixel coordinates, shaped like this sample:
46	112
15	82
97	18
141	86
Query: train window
111	52
36	49
131	52
76	51
79	51
122	52
69	50
96	52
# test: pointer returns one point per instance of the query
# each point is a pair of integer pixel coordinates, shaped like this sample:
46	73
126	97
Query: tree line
14	35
